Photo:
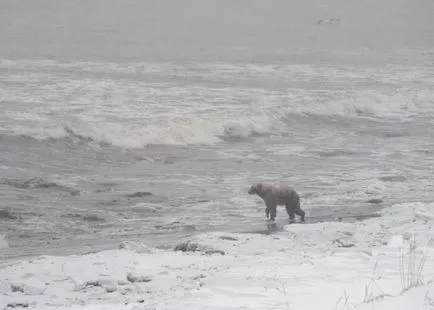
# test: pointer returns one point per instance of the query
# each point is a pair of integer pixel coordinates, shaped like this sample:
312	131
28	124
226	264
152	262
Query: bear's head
255	189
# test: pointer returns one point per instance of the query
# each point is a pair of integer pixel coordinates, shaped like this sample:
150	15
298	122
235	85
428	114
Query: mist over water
149	120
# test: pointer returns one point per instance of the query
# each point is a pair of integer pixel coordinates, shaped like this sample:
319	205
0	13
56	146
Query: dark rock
342	244
186	246
92	218
5	214
189	246
17	305
92	283
17	288
375	200
138	194
228	238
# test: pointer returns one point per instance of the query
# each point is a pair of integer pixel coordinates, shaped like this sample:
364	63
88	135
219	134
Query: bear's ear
258	187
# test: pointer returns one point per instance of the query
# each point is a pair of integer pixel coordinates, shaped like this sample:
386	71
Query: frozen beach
138	129
379	263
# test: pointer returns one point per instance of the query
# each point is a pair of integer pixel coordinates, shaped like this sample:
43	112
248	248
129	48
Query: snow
379	263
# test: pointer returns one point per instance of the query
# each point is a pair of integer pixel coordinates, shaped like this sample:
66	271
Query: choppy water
149	120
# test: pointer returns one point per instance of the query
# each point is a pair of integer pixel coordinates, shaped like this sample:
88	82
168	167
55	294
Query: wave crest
176	131
230	125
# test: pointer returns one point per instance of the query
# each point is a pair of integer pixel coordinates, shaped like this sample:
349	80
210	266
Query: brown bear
278	195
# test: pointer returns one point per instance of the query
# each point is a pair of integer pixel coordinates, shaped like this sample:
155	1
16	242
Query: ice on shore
330	265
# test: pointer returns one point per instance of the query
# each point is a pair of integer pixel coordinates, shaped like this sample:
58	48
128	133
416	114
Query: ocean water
146	120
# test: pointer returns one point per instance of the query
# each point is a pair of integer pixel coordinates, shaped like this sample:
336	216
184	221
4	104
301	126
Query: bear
278	195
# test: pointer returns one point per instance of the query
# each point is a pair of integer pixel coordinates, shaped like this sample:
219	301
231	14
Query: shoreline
358	213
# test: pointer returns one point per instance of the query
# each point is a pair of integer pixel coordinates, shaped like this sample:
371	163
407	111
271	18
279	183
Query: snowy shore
379	263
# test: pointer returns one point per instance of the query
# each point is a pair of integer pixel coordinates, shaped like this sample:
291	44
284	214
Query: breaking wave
202	130
219	126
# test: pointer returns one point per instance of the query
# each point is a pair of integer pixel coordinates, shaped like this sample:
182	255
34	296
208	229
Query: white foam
216	126
204	129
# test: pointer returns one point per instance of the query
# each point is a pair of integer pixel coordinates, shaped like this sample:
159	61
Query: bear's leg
300	213
297	208
290	211
271	206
